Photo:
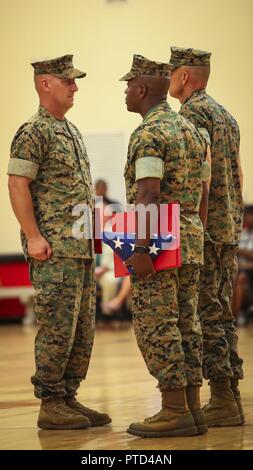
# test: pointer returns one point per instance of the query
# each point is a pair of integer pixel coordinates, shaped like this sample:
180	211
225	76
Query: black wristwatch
141	250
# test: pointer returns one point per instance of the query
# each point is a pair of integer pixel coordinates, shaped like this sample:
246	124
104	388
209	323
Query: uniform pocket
140	296
46	276
153	294
64	150
47	279
159	297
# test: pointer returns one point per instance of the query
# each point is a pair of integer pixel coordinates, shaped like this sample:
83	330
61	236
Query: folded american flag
123	244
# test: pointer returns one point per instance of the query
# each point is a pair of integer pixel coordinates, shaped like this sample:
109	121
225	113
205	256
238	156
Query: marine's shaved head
144	92
187	79
199	75
157	87
40	81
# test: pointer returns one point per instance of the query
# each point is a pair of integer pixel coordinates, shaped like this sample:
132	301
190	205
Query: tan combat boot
174	419
222	408
237	395
193	401
95	418
55	414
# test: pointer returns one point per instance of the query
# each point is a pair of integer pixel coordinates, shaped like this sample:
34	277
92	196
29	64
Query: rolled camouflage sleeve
27	152
148	153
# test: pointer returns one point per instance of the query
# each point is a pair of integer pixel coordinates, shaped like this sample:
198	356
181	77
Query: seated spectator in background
111	292
243	289
101	189
121	303
105	277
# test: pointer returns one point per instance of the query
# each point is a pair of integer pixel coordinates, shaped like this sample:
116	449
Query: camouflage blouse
168	147
225	198
52	154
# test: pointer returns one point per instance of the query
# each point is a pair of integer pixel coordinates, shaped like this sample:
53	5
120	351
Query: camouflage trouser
167	328
64	309
219	335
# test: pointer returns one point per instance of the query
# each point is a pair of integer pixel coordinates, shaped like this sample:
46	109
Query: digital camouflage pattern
223	231
220	358
52	154
174	141
167	328
190	57
141	66
225	209
64	306
61	67
165	306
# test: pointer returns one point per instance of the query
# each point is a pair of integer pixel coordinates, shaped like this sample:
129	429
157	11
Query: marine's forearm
148	195
22	206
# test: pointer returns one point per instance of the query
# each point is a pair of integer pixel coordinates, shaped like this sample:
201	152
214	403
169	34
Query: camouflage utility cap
145	67
191	57
61	67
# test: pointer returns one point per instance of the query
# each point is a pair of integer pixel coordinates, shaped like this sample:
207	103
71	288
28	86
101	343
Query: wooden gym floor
118	383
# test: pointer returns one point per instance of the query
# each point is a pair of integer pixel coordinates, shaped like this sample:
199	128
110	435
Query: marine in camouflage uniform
50	152
167	147
225	210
